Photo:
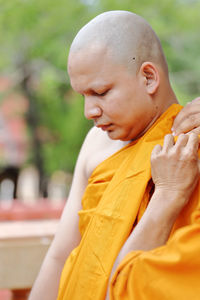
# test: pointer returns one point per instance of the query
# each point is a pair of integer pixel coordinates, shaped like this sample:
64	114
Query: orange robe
117	195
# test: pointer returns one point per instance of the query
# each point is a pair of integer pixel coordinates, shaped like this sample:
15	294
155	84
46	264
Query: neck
168	98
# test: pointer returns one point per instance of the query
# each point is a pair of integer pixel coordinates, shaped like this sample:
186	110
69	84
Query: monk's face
115	98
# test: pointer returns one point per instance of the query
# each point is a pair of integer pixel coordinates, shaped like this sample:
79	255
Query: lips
104	127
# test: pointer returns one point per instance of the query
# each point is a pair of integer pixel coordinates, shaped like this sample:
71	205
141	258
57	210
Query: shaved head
116	62
129	39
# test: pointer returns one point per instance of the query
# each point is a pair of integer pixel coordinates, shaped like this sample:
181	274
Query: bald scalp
128	37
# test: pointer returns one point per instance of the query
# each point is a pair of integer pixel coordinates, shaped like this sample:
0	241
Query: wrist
173	196
168	202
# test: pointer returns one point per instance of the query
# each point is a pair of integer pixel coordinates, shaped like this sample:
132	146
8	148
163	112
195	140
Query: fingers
180	117
196	131
168	142
189	123
187	146
156	150
181	141
188	118
193	143
189	141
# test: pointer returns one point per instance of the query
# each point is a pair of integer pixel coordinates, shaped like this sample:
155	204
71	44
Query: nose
92	110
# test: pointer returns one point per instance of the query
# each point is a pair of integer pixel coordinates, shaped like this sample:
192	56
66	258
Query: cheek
112	107
120	104
136	115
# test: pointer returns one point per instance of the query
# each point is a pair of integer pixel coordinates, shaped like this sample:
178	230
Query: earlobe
151	75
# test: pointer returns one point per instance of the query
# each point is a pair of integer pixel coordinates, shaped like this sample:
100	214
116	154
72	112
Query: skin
121	31
103	91
188	118
118	92
104	84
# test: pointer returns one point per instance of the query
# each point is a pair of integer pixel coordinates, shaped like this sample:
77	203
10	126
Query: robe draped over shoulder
170	272
116	197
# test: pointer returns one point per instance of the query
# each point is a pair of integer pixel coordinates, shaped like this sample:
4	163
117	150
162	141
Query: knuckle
154	156
192	118
196	130
185	125
181	136
168	138
181	141
194	135
169	135
189	154
193	141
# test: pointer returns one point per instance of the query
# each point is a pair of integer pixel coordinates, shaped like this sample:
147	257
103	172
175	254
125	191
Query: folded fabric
117	195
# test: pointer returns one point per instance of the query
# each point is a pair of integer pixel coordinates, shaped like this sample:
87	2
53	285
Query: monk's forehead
94	67
89	54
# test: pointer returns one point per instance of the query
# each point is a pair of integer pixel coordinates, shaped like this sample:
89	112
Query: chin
111	136
114	135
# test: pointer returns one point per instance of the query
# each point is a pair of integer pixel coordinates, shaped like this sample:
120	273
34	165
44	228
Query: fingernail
173	133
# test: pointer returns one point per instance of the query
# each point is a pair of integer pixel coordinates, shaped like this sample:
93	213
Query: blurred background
41	119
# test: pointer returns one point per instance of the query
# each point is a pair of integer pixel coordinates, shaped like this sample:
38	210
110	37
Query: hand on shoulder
175	166
188	119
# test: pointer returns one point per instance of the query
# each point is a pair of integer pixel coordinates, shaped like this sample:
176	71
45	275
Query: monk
136	232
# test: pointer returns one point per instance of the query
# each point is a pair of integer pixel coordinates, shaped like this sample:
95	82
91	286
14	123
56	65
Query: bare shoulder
97	147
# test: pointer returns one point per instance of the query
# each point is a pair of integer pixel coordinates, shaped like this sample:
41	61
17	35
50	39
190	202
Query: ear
151	77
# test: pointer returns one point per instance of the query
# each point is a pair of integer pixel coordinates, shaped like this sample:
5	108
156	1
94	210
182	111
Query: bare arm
66	238
175	172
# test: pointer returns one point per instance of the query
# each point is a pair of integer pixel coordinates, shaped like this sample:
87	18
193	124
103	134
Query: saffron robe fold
117	194
170	272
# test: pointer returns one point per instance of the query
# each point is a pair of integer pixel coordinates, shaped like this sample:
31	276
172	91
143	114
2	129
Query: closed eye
103	94
95	93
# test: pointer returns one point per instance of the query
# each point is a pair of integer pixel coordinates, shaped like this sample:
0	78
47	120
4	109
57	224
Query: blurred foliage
35	37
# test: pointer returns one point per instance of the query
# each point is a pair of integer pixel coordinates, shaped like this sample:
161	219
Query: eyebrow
96	88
